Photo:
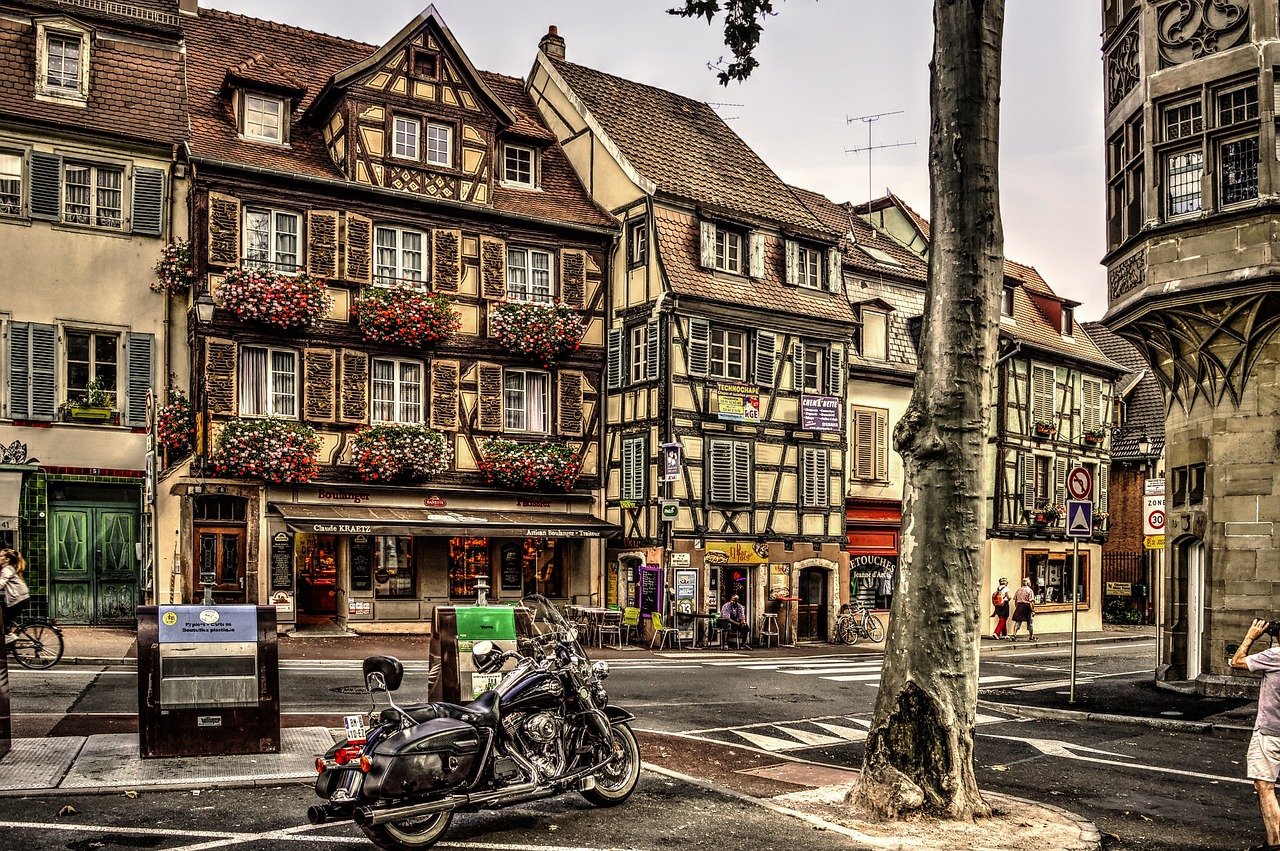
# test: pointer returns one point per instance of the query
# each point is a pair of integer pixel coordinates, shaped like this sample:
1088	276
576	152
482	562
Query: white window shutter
741	472
1104	475
765	358
835	370
797	365
1091	404
835	275
1027	463
1059	479
864	444
720	456
1042	382
755	260
699	347
708	247
653	349
613	368
793	263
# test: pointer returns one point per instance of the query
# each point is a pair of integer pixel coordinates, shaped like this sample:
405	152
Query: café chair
630	623
610	625
661	632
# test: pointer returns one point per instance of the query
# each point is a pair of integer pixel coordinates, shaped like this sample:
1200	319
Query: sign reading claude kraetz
208	624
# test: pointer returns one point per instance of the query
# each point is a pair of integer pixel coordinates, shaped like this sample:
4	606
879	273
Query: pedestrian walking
1024	610
1000	601
14	594
1263	756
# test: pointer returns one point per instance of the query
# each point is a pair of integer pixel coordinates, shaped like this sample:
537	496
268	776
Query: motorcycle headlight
600	670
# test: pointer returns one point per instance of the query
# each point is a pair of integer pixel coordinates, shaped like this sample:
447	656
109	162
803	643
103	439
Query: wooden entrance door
811	620
220	564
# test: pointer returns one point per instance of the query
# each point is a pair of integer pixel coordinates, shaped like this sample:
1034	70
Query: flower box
175	424
270	449
400	452
274	298
1094	438
175	271
404	316
546	466
89	413
1044	429
541	332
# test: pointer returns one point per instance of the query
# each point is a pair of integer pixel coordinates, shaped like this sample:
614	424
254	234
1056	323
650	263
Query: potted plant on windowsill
390	452
1101	520
94	405
1094	437
1045	428
547	466
1046	515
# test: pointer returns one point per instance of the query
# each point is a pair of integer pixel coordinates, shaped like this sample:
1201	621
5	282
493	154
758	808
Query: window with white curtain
93	195
271	239
397	391
399	256
529	275
525	397
10	183
268	380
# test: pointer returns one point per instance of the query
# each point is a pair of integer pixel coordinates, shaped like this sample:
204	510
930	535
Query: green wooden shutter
613	370
43	372
699	362
1059	479
140	352
148	201
20	370
720	472
46	186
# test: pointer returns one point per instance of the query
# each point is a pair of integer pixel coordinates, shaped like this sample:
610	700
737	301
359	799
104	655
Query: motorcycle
544	729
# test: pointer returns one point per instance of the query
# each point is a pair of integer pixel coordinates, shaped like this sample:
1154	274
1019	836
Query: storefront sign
533	503
561	533
720	552
281	562
1119	589
353	497
820	413
1153	542
434	502
512	568
867	568
779	581
283	601
361	563
738	403
680	560
672	457
340	529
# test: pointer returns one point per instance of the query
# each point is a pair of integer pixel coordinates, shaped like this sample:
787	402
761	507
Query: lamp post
1144	452
203	308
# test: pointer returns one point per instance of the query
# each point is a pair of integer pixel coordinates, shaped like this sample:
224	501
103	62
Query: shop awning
10	496
381	520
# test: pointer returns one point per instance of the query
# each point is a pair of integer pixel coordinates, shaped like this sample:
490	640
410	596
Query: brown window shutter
318	395
444	394
573	278
493	268
446	260
220	376
322	243
570	403
354	407
224	230
357	265
490	397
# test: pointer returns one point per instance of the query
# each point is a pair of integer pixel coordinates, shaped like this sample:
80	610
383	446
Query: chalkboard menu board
650	590
361	563
281	562
512	568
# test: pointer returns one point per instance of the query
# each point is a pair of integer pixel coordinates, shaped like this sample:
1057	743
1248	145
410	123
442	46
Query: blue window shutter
19	370
148	201
653	349
43	373
141	355
46	186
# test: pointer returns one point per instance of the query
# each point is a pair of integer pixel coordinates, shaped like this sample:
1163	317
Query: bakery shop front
381	563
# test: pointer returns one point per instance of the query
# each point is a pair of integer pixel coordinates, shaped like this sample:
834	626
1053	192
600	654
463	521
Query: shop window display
468	558
1050	575
317	573
393	567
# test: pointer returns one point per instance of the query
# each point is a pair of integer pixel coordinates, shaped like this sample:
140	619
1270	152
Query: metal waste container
455	630
208	680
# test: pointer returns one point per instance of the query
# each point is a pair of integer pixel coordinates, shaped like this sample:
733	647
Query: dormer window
62	59
263	118
62	63
875	334
425	66
1006	302
407	133
728	251
518	166
1068	321
439	144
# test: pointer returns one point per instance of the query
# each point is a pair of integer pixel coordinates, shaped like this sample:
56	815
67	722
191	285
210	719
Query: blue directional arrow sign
1079	518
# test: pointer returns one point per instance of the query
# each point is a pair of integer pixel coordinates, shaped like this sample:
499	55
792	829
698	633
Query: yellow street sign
1153	542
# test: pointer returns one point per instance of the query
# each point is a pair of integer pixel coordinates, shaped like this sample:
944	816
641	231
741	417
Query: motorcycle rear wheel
617	780
414	833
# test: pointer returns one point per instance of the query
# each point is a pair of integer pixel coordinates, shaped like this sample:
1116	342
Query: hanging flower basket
274	450
274	298
1044	428
543	466
541	332
1047	515
404	316
399	452
176	425
175	271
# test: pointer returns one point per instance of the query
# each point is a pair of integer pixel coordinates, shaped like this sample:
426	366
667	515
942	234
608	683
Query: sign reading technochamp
820	413
738	403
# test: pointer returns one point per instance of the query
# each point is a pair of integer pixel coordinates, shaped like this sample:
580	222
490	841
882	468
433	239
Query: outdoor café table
593	614
786	619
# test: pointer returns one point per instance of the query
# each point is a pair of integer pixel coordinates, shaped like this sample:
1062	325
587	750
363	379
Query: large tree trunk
919	753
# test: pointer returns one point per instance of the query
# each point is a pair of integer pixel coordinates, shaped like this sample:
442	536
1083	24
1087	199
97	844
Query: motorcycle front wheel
422	832
616	781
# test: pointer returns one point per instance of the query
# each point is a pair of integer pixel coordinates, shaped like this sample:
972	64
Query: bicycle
854	622
37	643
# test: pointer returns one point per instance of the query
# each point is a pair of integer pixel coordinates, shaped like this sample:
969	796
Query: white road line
810	738
986	681
837	669
855	678
768	743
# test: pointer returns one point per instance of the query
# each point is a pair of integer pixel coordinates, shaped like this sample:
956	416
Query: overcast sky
823	62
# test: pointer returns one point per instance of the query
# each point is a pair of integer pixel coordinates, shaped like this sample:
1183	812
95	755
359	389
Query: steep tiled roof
1144	405
160	16
221	42
135	91
678	241
868	252
685	148
1031	326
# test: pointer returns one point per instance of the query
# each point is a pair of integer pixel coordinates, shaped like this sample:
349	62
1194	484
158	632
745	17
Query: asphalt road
1145	789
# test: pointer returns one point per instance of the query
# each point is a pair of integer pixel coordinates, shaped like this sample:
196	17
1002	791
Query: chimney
189	7
552	44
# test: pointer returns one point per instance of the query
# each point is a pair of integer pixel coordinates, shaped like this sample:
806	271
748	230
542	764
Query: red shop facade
873	527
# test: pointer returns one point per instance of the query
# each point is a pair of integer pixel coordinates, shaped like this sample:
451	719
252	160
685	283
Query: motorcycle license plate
354	725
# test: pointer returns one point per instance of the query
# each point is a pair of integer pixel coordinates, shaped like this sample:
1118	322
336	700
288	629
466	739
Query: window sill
1051	608
526	187
275	143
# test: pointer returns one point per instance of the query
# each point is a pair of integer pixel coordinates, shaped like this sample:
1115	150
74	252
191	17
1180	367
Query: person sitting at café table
734	617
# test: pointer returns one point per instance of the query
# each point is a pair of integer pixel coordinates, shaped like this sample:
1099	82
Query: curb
1171	725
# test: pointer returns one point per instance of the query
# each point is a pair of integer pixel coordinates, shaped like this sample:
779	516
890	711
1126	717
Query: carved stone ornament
1192	29
1127	275
1123	68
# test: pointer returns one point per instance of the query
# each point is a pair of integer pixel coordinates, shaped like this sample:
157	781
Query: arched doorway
814	604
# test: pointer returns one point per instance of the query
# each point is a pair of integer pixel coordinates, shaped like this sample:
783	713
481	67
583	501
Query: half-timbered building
408	275
728	330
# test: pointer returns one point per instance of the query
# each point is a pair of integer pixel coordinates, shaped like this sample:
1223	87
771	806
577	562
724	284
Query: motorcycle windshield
548	620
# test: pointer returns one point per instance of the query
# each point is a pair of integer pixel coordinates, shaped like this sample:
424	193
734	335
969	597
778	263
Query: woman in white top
15	593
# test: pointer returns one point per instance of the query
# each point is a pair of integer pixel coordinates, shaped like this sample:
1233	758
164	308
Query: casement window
818	369
1091	418
1238	170
526	396
875	334
439	144
268	382
1189	148
10	184
811	371
638	242
518	166
1051	574
271	239
638	354
93	195
1182	175
1238	105
729	255
406	134
90	355
728	354
1006	302
399	255
870	442
396	391
1068	321
809	267
263	118
729	471
1043	384
529	275
1126	173
815	477
635	467
62	61
424	65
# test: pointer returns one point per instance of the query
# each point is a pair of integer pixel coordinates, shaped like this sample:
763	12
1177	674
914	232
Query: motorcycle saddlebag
427	757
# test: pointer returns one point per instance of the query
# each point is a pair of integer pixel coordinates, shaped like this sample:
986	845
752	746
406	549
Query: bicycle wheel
846	628
875	629
39	645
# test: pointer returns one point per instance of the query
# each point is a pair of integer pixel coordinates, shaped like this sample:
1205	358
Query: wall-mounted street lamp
204	307
1144	446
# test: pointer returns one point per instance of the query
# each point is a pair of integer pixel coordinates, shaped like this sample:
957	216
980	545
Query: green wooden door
93	570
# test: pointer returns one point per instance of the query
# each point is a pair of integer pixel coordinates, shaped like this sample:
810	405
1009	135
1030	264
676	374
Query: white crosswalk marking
849	734
798	735
768	743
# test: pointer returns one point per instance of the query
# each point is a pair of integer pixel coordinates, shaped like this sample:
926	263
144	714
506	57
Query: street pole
1075	611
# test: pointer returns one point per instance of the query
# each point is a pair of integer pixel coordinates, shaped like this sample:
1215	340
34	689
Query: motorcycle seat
481	712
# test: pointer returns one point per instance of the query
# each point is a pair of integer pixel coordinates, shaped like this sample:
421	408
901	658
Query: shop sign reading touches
867	568
737	403
820	413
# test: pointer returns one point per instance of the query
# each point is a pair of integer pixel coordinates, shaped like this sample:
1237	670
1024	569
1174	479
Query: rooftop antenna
870	121
717	105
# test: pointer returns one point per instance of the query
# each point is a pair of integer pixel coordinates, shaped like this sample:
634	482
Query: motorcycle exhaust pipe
324	813
369	816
